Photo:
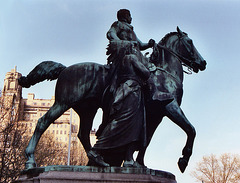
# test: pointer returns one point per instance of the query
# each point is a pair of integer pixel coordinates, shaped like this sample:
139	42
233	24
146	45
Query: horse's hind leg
175	113
43	123
86	121
152	125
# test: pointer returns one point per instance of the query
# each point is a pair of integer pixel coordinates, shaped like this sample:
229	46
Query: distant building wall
28	111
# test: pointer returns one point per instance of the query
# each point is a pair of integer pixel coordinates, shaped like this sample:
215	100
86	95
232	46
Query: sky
73	31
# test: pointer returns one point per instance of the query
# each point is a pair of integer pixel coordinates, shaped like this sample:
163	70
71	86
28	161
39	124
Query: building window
61	132
43	104
65	132
53	131
57	132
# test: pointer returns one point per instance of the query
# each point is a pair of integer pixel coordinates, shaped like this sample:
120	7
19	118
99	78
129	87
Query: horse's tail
47	70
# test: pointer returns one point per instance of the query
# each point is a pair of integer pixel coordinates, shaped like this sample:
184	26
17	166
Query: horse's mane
164	39
154	58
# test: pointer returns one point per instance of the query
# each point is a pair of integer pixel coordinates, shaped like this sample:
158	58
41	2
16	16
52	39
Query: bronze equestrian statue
85	88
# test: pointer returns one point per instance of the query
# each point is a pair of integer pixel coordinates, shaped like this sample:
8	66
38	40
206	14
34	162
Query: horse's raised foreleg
175	113
43	123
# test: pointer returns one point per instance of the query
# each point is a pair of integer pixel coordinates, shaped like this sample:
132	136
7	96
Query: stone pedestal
87	174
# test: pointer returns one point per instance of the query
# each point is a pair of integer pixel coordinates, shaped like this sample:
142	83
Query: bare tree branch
225	169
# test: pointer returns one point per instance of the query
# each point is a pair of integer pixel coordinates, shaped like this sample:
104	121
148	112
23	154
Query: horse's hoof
29	165
128	163
182	164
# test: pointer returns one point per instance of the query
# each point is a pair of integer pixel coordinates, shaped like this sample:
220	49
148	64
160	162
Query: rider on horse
124	122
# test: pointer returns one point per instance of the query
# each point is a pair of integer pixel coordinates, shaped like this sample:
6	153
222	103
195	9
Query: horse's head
181	46
189	54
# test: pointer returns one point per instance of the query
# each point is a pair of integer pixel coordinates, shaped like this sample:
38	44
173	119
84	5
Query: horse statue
81	87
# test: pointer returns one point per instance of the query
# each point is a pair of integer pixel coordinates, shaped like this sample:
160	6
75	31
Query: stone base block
88	174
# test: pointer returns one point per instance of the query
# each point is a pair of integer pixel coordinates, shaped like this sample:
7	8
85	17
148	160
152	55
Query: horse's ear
179	32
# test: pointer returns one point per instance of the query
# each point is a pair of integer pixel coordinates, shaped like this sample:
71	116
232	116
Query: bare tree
78	154
50	151
14	139
11	142
222	169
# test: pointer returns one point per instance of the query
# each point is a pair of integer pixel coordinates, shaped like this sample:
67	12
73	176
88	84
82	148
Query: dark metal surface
81	87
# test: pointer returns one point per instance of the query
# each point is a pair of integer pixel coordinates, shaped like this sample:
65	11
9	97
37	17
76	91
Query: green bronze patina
134	92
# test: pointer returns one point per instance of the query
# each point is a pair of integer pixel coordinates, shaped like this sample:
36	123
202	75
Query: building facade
27	112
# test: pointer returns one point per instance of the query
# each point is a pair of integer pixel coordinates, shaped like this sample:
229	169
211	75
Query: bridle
183	60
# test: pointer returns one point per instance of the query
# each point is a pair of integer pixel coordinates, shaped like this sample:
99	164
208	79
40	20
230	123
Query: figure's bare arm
144	46
140	68
112	33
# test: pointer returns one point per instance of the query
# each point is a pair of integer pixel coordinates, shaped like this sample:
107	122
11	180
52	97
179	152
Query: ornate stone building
28	111
12	94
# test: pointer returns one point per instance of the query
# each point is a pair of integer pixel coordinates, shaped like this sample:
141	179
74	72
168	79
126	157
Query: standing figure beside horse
83	88
124	122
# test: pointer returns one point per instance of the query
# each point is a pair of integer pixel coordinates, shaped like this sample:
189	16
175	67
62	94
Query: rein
184	61
175	78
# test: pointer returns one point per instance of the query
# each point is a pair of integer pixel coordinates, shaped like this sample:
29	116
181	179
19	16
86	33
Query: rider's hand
134	44
151	67
151	43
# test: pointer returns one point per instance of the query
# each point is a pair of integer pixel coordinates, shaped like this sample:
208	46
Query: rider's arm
141	69
112	33
144	46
